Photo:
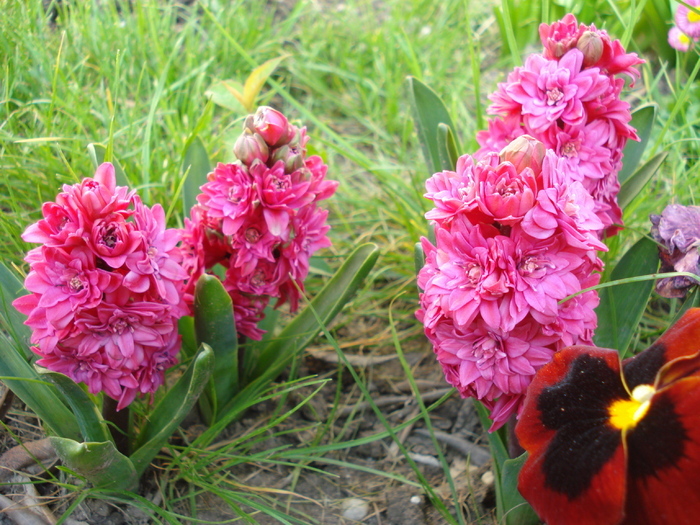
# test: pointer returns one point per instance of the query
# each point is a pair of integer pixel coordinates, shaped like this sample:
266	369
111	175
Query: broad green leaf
97	153
692	301
634	184
428	112
643	121
40	396
330	300
418	257
227	94
186	330
10	289
100	463
499	455
172	409
195	166
621	307
92	426
447	147
256	80
215	325
517	511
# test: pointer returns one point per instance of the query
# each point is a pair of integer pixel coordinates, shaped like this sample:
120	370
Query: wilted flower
613	443
259	219
677	230
105	287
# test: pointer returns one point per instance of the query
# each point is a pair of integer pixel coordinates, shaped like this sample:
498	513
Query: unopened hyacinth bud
591	45
524	152
249	147
272	126
292	158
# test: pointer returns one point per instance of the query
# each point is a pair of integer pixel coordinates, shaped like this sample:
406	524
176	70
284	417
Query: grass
135	80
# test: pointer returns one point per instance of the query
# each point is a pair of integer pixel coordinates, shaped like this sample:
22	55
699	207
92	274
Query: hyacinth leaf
97	153
92	425
215	325
633	185
185	327
692	301
621	307
10	289
227	94
517	511
172	409
429	112
41	397
304	328
447	147
256	80
100	463
195	166
643	121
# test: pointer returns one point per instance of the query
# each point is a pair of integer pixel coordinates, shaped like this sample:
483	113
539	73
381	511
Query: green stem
119	426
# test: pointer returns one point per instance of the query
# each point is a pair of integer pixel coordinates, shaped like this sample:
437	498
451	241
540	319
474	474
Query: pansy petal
664	464
575	473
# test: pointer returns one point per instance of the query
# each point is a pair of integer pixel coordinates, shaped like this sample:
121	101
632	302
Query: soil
323	493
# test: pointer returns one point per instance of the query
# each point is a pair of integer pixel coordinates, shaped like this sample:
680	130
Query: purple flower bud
249	147
524	152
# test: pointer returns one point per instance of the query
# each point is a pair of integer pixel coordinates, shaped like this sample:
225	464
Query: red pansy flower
616	443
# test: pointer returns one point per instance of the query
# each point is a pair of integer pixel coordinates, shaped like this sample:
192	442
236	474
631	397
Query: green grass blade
98	155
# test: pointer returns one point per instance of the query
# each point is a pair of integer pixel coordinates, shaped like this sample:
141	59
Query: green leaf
643	121
92	425
517	511
499	455
447	147
97	154
185	327
692	301
100	463
256	80
633	185
195	166
172	409
304	327
10	289
428	112
621	307
418	257
40	396
227	94
215	325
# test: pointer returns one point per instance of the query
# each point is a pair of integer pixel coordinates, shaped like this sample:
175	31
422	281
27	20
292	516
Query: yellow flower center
626	413
693	17
684	39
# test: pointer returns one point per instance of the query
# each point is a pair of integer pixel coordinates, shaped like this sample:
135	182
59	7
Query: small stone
355	509
416	500
487	478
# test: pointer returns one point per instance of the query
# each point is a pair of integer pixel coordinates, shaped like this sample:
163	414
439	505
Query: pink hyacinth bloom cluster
259	218
686	31
569	99
106	287
516	233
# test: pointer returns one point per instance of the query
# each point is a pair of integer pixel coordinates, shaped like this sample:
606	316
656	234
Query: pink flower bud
524	152
591	45
250	146
291	156
272	126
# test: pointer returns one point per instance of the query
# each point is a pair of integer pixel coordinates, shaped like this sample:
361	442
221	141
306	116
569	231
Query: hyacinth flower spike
616	443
